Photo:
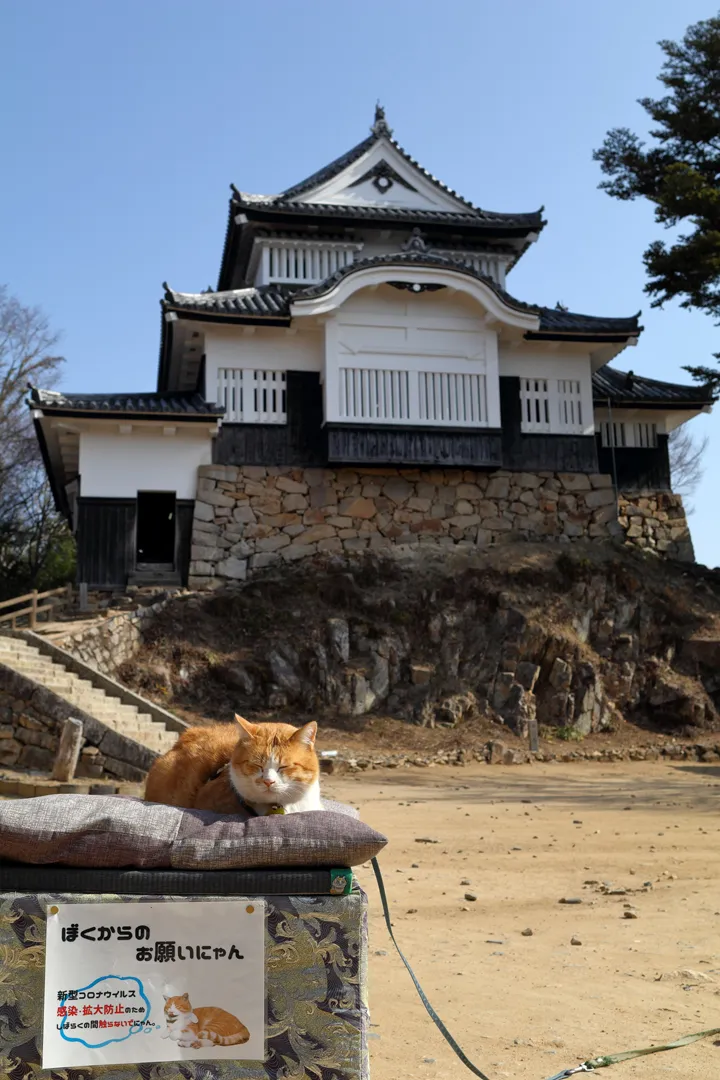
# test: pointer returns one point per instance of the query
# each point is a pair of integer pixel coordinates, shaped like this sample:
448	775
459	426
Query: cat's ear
186	997
306	734
166	997
247	730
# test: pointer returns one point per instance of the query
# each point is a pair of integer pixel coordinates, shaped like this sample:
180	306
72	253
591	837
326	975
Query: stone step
28	660
13	645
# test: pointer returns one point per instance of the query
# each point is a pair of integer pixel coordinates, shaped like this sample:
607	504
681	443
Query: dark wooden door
155	537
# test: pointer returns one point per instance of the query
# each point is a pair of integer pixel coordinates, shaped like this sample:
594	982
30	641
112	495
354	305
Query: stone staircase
28	660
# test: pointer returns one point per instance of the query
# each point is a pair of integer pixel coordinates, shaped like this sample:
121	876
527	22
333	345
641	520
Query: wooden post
69	595
83	595
68	751
33	609
533	736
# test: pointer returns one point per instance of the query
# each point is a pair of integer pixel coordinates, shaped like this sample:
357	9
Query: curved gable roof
291	198
266	302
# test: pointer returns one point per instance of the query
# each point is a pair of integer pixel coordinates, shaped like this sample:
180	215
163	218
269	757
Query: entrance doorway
155	543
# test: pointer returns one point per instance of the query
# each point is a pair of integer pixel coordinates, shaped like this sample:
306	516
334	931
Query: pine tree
680	173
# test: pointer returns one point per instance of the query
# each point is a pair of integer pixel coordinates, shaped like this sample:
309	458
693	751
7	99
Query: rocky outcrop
580	639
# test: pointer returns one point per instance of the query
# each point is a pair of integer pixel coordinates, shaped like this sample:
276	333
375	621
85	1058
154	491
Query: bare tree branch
686	467
30	528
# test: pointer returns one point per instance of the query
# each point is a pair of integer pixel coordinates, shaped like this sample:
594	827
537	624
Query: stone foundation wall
32	718
111	641
656	522
250	517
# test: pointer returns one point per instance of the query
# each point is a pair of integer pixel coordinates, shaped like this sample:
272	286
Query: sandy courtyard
526	838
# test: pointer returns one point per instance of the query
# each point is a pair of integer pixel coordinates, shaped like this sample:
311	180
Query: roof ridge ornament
416	242
380	127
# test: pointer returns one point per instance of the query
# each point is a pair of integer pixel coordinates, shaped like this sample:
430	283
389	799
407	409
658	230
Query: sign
129	983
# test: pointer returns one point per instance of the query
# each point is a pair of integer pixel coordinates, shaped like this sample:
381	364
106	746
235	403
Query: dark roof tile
489	219
378	132
156	404
252	302
411	258
631	389
274	301
561	321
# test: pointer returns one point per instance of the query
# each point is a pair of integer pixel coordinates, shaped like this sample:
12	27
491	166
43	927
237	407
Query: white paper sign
129	983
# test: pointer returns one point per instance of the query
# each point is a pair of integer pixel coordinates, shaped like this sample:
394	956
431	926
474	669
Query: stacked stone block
249	517
657	523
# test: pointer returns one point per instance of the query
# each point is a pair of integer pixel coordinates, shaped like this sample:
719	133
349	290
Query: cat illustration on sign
207	1026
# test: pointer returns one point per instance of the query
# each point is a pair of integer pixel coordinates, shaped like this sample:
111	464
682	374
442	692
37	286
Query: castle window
552	406
252	397
295	262
433	398
624	434
535	405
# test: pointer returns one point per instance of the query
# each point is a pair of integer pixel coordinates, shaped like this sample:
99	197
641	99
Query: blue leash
587	1066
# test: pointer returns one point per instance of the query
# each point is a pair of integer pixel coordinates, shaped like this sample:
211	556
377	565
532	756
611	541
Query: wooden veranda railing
34	606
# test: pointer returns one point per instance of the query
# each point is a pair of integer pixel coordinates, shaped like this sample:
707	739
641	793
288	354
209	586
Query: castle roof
176	404
629	390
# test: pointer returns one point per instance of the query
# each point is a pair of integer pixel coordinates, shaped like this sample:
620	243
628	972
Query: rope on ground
591	1065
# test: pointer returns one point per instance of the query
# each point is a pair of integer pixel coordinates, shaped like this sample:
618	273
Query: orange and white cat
271	767
207	1026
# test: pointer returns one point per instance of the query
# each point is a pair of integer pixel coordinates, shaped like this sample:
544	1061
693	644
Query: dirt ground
526	838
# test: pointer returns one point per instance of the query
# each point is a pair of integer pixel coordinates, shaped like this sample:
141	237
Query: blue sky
124	124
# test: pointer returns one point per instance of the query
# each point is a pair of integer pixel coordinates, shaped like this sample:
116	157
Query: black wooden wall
541	453
302	441
638	469
413	446
184	517
106	541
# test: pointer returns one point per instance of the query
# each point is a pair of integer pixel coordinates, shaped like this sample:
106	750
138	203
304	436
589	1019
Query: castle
362	378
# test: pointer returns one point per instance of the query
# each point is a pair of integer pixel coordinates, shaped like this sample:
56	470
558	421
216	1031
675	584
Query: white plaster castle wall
530	362
268	349
115	466
418	192
392	329
663	421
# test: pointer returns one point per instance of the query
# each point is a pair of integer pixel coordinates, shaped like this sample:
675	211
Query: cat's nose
268	783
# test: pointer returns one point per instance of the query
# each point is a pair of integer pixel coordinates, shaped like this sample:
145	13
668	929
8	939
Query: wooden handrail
33	610
34	595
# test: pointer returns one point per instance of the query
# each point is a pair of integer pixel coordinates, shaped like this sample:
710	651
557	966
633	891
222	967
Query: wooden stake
68	751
